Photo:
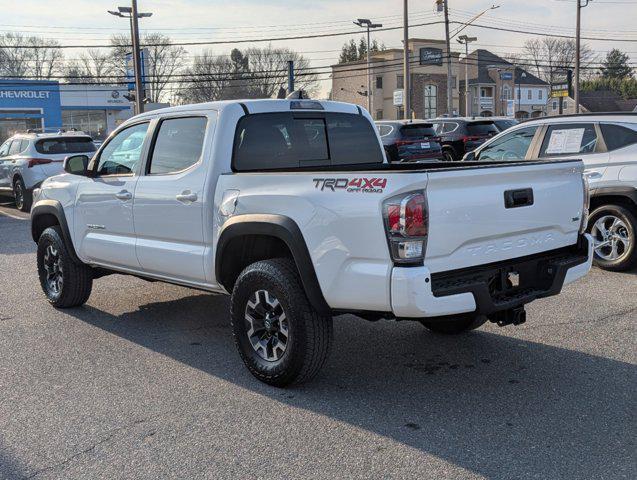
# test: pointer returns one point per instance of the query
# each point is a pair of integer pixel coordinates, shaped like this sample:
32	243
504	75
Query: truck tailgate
489	214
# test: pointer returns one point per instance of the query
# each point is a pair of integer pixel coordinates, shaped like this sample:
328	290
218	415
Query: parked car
291	207
409	140
26	159
502	123
607	144
460	135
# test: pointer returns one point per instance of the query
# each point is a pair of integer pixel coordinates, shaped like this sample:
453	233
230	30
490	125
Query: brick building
428	80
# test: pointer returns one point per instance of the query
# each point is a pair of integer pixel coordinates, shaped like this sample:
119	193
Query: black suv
461	135
409	140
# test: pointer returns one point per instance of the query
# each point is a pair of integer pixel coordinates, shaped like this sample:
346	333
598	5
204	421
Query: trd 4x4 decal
363	185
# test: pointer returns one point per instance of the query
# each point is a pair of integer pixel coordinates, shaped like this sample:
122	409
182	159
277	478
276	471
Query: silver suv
607	143
26	159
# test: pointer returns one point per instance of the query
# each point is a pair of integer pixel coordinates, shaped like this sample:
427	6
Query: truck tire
23	197
456	324
65	283
281	338
613	230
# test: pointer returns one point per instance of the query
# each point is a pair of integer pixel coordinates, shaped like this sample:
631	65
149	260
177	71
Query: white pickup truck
291	207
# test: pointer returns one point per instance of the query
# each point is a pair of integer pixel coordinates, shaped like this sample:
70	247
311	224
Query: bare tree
14	62
209	78
163	60
550	56
268	67
45	57
92	67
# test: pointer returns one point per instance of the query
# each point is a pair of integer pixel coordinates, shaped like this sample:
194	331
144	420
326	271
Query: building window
506	92
539	94
400	81
92	122
400	113
486	92
379	82
379	114
529	94
430	109
554	105
454	82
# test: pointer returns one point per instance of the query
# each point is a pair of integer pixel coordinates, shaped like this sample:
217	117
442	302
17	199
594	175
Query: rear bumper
417	293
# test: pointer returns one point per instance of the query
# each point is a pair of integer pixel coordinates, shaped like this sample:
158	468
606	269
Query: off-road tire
310	333
77	278
23	197
456	324
629	260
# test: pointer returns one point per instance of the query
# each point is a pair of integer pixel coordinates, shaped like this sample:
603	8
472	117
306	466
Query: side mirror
469	157
76	164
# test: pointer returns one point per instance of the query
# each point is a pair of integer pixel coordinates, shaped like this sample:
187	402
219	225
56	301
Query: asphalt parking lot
145	382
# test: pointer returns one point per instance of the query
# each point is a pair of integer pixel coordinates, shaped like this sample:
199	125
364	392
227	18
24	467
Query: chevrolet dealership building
50	106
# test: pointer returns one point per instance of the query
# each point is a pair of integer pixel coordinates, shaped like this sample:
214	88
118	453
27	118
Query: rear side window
481	128
385	130
418	131
15	147
569	139
65	145
178	145
618	136
269	141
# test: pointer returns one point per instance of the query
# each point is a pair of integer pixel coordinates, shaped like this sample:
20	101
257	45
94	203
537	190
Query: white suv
607	144
26	159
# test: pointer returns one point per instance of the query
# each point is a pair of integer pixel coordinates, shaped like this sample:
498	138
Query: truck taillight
406	224
32	162
585	205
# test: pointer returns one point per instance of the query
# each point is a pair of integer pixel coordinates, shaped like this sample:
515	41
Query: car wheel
613	230
455	324
23	197
281	338
448	155
65	282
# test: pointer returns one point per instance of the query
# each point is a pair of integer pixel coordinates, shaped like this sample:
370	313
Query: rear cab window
569	139
65	145
289	140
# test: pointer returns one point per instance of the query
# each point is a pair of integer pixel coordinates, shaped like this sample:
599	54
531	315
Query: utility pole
577	51
133	14
365	22
463	39
290	76
406	78
449	85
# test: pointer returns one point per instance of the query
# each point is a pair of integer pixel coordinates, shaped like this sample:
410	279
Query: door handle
186	197
518	198
124	195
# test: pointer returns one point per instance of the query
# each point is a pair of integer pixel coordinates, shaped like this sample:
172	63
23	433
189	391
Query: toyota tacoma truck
291	207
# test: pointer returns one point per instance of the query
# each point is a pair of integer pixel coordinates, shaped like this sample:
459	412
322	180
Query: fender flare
53	207
623	191
285	229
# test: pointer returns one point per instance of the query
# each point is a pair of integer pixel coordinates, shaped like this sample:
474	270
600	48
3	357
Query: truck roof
262	106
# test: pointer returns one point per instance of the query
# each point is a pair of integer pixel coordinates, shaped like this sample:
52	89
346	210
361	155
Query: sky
86	22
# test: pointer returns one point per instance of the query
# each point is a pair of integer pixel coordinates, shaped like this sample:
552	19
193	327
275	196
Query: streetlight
367	23
463	39
132	13
522	75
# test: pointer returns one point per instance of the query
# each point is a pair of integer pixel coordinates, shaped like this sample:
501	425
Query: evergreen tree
616	65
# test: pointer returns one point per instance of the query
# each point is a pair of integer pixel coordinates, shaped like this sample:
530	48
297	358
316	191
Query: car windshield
481	128
65	145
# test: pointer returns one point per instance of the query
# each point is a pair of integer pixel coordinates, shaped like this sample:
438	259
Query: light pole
463	39
577	52
406	78
366	23
522	75
132	14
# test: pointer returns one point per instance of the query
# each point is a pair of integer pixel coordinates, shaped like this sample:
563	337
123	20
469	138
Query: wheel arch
253	237
626	196
48	213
